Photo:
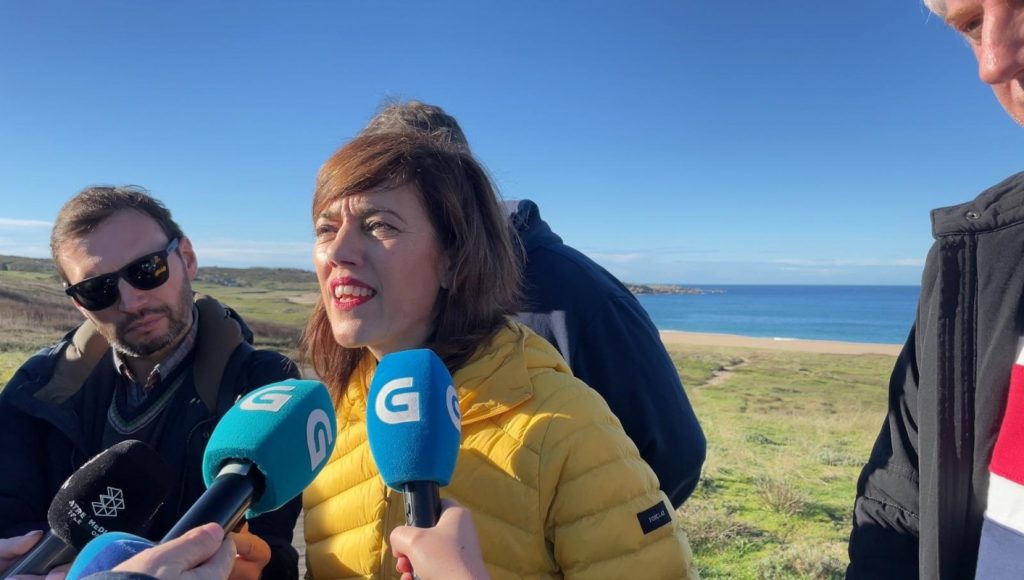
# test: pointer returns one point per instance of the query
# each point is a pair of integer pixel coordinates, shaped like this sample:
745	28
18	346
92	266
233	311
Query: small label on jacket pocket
654	517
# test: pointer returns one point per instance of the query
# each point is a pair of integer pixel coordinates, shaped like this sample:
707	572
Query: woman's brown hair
484	281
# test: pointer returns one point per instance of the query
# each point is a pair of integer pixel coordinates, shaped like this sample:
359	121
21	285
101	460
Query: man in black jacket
921	497
151	362
599	327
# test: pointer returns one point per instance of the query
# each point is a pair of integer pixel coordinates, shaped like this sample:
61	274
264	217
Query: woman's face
380	268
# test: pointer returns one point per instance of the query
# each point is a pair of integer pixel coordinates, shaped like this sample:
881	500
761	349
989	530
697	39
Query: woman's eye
379	228
324	231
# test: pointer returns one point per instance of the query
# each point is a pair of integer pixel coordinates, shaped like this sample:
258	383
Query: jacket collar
496	380
66	366
998	206
534	232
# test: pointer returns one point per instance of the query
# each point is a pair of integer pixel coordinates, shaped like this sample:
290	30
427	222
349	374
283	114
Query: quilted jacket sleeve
606	517
621	356
884	540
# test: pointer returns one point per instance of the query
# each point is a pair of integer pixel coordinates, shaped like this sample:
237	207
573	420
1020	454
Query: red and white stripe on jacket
1001	553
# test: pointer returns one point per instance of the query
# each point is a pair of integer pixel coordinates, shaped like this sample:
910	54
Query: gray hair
936	6
419	117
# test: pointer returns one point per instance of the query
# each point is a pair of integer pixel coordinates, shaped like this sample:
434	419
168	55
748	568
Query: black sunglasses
146	273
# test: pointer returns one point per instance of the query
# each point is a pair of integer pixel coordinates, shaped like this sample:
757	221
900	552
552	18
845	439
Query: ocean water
881	314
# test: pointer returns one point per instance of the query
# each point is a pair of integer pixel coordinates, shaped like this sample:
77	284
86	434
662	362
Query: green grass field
787	432
276	306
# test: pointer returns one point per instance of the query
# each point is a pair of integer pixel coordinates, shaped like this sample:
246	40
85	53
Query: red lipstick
349	293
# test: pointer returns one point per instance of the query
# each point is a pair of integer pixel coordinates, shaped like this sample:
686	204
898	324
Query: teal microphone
265	450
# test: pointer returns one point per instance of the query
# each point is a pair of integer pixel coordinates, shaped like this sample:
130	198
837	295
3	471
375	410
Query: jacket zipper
955	397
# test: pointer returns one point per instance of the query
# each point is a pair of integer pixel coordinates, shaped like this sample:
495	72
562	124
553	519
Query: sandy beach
677	338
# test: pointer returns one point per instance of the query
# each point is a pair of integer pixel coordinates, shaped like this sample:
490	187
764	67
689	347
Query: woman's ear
447	273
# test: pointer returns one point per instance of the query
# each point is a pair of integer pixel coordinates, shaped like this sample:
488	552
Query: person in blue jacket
596	323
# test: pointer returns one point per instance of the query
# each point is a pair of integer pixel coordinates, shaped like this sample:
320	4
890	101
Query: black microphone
413	426
264	451
117	490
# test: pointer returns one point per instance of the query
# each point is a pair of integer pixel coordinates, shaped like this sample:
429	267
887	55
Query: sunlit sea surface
881	314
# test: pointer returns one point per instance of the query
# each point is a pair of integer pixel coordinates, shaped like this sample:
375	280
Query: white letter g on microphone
268	399
397	402
318	437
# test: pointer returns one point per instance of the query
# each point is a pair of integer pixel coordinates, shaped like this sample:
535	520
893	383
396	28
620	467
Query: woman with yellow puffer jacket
412	251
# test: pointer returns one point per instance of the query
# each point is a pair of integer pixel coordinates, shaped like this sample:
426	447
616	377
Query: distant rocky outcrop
670	289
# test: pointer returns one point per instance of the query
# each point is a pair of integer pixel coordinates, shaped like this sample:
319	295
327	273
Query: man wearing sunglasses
151	362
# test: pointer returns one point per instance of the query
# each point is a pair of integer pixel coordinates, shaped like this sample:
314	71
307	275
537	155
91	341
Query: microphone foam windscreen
117	490
412	418
105	552
285	429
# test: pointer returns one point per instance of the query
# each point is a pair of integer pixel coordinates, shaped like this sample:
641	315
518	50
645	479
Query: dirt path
723	373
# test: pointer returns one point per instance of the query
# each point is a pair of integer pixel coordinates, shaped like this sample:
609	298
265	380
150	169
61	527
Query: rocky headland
670	289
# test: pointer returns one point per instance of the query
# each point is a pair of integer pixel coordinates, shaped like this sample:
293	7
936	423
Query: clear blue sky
680	141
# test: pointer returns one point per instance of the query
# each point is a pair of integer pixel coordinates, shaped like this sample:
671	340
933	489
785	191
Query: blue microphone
414	427
105	552
263	452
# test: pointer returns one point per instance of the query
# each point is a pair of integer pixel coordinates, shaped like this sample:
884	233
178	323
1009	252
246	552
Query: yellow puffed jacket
555	486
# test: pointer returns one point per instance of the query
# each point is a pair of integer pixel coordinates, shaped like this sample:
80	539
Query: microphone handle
49	553
422	503
224	502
